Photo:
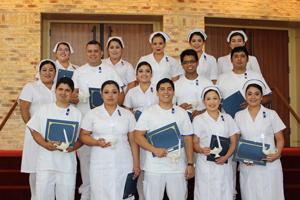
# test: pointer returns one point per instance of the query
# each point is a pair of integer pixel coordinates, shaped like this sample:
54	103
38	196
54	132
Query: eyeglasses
60	49
189	62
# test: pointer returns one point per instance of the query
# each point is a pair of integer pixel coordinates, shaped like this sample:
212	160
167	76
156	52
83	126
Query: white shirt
59	66
225	65
37	94
124	69
168	67
154	117
55	160
138	100
84	78
189	91
229	83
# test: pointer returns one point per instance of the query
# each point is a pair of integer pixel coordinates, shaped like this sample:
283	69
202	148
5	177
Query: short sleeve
213	69
277	124
35	122
187	125
176	68
75	78
254	65
130	74
117	78
27	93
219	66
268	90
232	127
198	129
87	121
237	121
143	122
127	100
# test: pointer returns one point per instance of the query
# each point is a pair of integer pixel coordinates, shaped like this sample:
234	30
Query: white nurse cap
237	31
213	87
115	37
195	31
46	60
166	36
55	48
256	82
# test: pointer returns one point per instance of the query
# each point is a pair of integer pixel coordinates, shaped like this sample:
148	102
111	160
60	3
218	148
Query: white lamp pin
84	97
216	150
264	150
194	105
176	154
64	145
114	140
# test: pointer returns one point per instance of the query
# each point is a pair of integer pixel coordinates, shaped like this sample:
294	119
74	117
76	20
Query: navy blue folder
55	131
64	73
165	137
246	150
130	186
190	115
137	115
95	98
225	143
232	104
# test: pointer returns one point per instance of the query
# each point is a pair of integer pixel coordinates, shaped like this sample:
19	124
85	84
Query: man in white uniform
56	171
189	87
159	171
91	75
233	81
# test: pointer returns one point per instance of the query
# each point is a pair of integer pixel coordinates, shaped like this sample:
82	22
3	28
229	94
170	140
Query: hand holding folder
130	186
225	143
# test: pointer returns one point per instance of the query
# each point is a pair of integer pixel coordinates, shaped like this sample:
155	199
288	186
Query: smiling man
189	87
159	171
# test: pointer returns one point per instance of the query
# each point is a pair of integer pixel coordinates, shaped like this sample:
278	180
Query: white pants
155	183
32	183
51	184
84	155
140	185
234	165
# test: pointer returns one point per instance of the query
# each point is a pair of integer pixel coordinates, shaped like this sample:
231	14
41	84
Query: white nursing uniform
225	65
212	181
168	67
59	66
189	91
124	69
261	182
84	78
160	172
109	167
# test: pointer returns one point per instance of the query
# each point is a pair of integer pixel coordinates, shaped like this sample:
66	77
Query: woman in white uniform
112	126
32	97
115	46
236	39
163	66
63	51
256	122
213	180
207	66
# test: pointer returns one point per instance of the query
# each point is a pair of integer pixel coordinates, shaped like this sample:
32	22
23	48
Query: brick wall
20	35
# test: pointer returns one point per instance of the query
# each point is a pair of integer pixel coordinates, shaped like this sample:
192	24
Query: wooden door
270	47
135	38
77	34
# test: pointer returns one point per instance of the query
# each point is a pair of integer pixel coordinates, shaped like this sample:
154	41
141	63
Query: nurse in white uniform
255	122
163	66
63	51
32	97
115	46
139	98
207	66
213	180
236	39
112	126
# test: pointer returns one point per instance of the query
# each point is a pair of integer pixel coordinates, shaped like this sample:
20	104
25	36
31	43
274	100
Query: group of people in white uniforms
95	72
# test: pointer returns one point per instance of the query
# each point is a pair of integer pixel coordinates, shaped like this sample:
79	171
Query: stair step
290	162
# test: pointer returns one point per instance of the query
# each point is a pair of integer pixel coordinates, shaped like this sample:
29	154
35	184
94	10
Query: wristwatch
191	164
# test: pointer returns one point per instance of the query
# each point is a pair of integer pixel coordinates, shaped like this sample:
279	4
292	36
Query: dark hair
93	42
63	44
165	80
236	34
116	40
65	80
109	82
239	49
189	52
47	62
256	86
159	35
197	33
141	64
210	91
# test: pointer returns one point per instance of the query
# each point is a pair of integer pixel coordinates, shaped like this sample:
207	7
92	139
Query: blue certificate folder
246	150
165	137
225	143
232	104
95	97
55	131
64	73
130	186
137	115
